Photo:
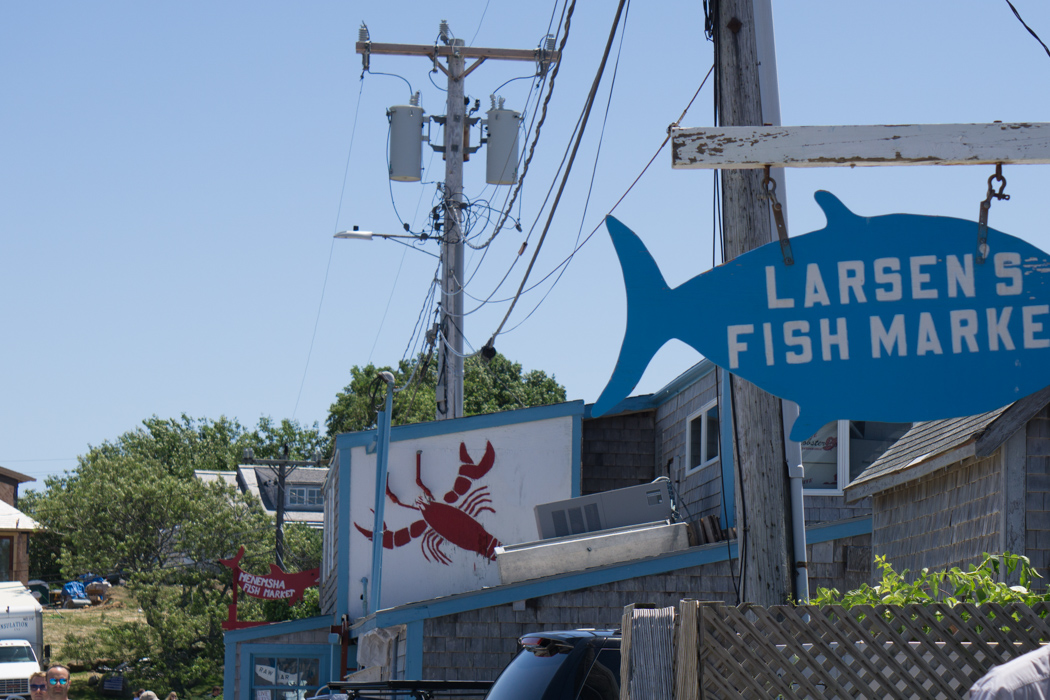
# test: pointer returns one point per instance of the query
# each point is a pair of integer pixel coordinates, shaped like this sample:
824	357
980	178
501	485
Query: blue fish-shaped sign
888	318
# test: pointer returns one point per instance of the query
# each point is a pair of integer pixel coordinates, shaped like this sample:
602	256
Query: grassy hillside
59	624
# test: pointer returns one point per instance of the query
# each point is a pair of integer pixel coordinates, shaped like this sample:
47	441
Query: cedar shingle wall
1037	493
699	493
826	509
477	644
617	451
947	519
330	543
843	564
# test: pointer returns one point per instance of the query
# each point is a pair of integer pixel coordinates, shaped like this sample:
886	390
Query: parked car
564	665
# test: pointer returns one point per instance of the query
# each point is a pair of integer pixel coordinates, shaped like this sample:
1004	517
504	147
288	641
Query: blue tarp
74	589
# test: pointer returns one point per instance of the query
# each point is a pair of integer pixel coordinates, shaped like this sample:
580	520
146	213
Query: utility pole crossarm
747	147
287	462
440	51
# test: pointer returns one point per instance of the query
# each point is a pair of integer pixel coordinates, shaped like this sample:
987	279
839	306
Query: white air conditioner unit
633	505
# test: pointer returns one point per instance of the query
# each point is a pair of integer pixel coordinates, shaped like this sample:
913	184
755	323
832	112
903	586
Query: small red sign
277	585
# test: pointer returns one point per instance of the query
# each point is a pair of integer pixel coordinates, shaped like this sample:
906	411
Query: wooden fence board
881	651
779	635
858	671
687	652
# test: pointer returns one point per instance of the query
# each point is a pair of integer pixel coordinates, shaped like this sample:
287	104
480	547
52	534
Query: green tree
488	387
133	505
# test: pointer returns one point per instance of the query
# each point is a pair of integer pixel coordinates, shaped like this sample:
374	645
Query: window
284	677
603	680
309	496
701	437
6	553
841	450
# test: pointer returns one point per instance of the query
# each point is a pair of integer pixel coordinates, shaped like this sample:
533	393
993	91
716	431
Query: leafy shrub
979	585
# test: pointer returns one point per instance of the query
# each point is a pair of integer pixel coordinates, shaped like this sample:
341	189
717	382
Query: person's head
38	686
139	692
149	695
172	696
58	681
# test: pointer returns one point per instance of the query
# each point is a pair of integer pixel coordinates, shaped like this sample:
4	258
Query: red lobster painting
449	521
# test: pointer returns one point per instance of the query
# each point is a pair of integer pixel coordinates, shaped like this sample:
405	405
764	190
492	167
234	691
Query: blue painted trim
840	529
684	380
229	668
287	627
577	452
342	550
726	456
501	595
459	425
508	593
647	402
632	404
414	651
318	651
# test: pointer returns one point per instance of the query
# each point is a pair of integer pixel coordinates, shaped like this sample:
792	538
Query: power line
594	171
565	177
1030	31
331	248
626	192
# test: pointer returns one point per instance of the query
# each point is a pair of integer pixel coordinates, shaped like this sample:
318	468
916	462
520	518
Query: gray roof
262	482
209	475
932	445
266	482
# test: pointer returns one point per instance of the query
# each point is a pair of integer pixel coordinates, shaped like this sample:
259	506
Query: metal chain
769	185
982	225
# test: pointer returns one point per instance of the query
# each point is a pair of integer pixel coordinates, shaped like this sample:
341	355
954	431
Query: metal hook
982	222
770	187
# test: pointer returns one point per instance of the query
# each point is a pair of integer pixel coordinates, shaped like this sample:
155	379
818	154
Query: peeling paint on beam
743	147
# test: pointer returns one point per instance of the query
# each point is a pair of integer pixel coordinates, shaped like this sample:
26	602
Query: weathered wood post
762	497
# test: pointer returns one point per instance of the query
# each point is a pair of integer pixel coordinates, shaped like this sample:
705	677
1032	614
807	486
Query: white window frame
305	493
712	404
841	462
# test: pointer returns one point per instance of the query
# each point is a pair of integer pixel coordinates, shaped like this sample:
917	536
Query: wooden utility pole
449	390
763	495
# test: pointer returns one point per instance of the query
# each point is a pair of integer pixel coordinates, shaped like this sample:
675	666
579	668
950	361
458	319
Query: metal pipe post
382	455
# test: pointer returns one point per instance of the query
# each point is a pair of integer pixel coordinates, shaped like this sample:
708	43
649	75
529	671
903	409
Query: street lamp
358	235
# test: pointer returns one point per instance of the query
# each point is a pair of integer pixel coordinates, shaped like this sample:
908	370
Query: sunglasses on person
57	681
34	686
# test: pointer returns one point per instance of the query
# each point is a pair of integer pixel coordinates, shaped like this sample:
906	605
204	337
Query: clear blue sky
171	176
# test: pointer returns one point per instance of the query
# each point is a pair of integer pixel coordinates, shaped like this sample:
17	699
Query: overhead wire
1030	30
392	75
626	192
565	176
397	275
480	22
713	34
542	118
594	171
331	248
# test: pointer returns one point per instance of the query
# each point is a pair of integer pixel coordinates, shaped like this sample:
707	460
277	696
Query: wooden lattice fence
885	651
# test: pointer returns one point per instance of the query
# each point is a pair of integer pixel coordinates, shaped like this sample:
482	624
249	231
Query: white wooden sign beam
741	147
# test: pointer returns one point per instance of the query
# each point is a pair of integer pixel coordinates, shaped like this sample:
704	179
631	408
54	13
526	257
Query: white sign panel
451	500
